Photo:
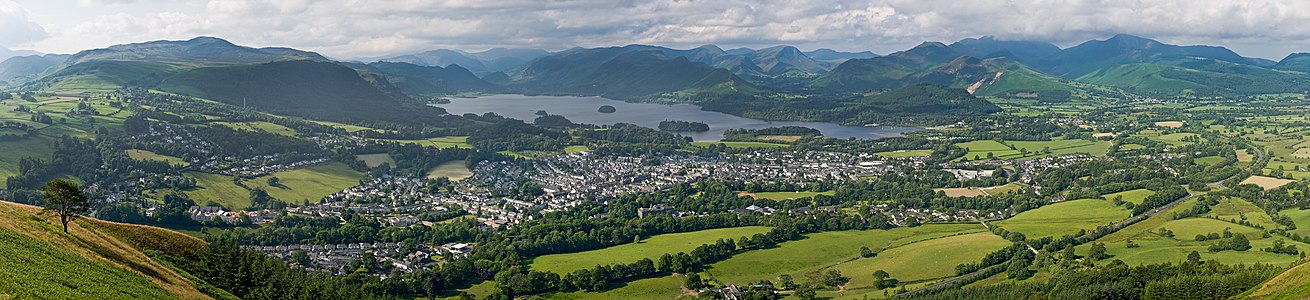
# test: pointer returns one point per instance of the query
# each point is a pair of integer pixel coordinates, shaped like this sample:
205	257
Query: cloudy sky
361	29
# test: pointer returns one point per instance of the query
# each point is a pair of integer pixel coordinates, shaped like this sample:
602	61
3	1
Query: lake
583	110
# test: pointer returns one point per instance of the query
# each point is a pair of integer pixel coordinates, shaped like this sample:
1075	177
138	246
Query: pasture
1155	248
925	260
904	153
1300	217
825	249
453	170
373	160
1237	209
147	155
575	148
15	151
1169	124
979	150
962	192
260	126
651	247
1064	218
438	142
299	185
1208	160
1134	196
1267	183
976	192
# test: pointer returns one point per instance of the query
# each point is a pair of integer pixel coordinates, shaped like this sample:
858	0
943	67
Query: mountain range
307	83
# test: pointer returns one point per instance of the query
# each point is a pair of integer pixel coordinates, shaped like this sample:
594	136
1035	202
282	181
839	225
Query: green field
1174	139
575	148
15	151
453	170
147	155
740	145
825	249
309	184
347	127
1208	160
439	142
260	126
1155	248
1299	217
981	148
1134	196
667	287
1234	209
930	259
905	153
788	195
651	248
1064	218
373	160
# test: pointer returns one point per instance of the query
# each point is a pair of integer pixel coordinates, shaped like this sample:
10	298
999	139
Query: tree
693	281
1018	270
806	292
865	252
834	278
64	199
786	282
1097	252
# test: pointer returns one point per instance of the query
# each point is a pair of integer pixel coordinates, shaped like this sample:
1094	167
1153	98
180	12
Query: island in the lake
683	126
607	109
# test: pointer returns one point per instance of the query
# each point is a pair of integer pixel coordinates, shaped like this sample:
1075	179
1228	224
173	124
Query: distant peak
931	45
208	40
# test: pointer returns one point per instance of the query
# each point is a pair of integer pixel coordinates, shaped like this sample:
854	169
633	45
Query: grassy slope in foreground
1291	284
38	260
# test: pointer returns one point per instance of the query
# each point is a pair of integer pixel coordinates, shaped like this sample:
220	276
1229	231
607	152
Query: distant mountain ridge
19	67
619	72
6	53
492	60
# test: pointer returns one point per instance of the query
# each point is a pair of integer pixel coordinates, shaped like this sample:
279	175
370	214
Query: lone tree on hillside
64	199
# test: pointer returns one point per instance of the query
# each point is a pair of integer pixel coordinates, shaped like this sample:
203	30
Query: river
584	110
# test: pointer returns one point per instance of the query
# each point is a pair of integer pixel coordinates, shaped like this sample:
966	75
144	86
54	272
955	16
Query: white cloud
356	28
15	28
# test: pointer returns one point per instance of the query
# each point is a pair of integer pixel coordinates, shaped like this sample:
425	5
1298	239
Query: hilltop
99	259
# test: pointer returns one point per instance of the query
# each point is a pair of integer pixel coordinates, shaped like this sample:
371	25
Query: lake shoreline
583	109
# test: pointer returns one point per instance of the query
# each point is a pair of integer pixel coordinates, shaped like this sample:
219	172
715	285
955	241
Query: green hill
98	260
19	67
1299	62
423	80
145	64
299	88
932	63
619	72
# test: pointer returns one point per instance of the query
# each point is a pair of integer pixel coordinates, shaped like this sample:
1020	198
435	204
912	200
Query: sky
358	29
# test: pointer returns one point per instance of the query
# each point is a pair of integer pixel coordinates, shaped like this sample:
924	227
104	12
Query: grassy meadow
1064	218
651	247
